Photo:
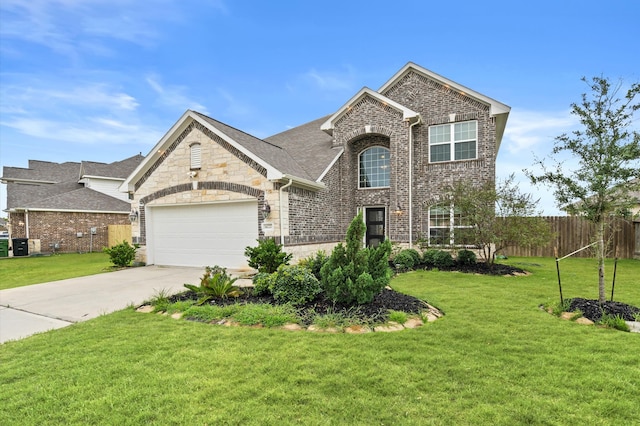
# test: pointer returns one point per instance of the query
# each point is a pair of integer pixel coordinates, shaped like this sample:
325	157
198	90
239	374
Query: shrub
121	254
466	258
295	285
404	260
215	284
263	283
314	263
267	256
443	259
429	258
354	274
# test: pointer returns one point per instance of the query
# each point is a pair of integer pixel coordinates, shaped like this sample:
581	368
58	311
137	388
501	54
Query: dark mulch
376	311
593	310
481	268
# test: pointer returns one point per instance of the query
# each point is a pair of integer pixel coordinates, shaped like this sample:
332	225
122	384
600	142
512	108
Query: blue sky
102	80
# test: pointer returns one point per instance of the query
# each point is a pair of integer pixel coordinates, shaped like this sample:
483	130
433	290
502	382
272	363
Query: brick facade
62	229
320	218
325	216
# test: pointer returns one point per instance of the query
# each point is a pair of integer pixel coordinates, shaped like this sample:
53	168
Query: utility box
20	247
4	248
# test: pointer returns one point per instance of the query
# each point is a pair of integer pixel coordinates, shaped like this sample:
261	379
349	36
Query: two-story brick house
207	190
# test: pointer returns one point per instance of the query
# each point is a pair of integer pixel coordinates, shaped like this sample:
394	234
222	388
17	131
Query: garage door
201	235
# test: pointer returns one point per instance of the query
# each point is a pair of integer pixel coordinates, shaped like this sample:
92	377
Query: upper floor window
196	157
457	141
374	167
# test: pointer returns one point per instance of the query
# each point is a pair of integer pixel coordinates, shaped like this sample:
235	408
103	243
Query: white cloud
73	27
327	81
174	96
529	130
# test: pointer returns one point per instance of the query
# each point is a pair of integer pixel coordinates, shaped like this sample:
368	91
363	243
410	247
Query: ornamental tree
607	151
497	216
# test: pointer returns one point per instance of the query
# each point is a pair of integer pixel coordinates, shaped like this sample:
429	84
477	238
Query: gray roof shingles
273	154
310	146
66	193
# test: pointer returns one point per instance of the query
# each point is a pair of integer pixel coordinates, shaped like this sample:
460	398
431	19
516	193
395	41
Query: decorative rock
231	324
567	315
145	309
177	315
584	321
357	329
391	326
291	327
634	326
413	323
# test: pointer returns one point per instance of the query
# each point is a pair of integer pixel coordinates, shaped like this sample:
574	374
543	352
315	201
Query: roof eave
407	114
496	107
183	122
300	182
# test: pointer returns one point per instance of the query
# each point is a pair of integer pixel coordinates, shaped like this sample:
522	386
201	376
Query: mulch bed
593	310
377	311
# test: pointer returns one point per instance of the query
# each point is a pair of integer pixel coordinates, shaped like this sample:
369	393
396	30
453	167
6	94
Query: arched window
196	157
375	167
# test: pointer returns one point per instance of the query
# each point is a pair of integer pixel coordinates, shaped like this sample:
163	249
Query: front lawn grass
22	271
495	358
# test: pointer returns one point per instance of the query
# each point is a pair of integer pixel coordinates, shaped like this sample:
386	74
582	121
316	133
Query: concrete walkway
41	307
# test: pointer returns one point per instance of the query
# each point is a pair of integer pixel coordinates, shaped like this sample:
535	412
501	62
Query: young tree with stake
607	150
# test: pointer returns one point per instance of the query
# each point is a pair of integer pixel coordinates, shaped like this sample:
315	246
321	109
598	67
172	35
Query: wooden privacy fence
572	233
118	234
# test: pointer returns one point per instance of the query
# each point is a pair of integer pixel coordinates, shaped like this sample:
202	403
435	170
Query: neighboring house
208	190
67	207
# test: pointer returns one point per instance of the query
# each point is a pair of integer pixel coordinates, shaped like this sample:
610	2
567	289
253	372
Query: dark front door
375	220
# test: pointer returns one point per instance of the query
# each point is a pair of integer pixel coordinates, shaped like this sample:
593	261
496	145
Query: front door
375	221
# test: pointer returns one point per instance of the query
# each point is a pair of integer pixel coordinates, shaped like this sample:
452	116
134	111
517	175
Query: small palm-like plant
215	284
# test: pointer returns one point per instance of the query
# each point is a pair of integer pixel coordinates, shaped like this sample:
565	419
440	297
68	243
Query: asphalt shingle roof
82	199
273	154
117	169
44	171
309	146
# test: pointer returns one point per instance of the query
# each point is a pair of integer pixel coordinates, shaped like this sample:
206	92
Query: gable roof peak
407	113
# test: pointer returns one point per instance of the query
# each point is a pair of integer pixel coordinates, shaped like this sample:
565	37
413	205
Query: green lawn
21	271
495	358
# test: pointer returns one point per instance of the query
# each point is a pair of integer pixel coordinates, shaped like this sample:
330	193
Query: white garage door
201	235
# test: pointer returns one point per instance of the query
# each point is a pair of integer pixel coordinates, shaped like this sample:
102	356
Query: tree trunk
600	254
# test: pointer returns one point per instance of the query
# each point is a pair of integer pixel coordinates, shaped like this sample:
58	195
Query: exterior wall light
133	216
398	211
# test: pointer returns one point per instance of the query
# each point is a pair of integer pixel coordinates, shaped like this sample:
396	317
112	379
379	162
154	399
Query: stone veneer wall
62	228
226	175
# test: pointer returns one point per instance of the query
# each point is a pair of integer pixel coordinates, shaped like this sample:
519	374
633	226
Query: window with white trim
447	226
196	156
375	167
453	141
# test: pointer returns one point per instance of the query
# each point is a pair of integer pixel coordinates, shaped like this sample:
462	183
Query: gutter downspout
418	121
26	223
280	212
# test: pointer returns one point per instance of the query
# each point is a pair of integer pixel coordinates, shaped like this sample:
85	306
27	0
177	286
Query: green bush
314	263
263	283
121	254
215	284
443	259
295	285
267	256
354	274
466	258
429	258
404	260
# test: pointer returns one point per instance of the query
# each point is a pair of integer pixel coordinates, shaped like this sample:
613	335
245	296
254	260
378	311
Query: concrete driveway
33	309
